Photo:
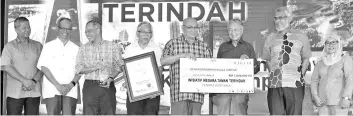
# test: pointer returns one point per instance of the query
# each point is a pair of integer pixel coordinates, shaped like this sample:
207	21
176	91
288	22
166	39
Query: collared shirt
227	50
332	82
179	46
285	56
60	60
106	52
135	49
23	56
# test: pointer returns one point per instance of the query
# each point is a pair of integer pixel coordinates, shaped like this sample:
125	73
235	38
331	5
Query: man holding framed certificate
235	48
144	43
185	46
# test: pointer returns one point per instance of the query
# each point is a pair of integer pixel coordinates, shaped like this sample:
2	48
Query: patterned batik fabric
285	53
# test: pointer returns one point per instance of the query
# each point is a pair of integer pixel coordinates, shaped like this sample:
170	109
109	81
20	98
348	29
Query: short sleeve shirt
179	46
285	53
106	53
23	56
60	60
134	49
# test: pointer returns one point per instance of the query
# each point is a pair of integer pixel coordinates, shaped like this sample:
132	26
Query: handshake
64	88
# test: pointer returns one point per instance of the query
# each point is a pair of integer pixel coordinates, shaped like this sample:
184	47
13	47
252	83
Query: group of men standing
63	63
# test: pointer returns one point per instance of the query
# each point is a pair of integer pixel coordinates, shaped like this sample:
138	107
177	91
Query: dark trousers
98	100
30	105
60	103
143	107
285	101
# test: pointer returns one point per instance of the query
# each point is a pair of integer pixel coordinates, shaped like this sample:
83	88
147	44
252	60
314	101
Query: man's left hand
244	56
345	103
68	88
106	82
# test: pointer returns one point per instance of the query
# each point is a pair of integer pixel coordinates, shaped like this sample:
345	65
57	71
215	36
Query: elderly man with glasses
236	47
143	43
57	62
185	46
100	61
287	52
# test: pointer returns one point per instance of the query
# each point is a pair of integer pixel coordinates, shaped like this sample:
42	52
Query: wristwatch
347	98
35	82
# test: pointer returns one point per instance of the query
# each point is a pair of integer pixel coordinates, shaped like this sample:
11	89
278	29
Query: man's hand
61	88
28	84
106	83
345	103
318	101
189	55
68	88
100	66
244	56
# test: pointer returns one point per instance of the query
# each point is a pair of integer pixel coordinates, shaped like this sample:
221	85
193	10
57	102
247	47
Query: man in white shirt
144	43
57	62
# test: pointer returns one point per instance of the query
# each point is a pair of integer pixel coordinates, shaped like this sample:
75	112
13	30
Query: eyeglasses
67	29
90	30
145	32
235	30
191	27
331	42
280	18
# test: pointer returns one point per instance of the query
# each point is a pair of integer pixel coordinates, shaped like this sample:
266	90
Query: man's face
281	21
235	31
24	29
190	28
65	28
91	32
144	33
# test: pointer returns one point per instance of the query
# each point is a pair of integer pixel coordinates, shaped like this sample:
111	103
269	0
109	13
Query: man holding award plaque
100	61
144	43
185	46
235	48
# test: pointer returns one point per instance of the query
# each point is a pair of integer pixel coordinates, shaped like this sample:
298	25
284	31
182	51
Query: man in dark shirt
235	48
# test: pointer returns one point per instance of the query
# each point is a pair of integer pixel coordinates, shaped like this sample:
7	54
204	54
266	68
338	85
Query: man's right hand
28	84
188	55
318	101
100	66
61	88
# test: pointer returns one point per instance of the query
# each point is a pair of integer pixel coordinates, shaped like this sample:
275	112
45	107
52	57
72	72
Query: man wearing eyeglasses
57	62
185	46
235	48
287	53
143	43
100	61
19	61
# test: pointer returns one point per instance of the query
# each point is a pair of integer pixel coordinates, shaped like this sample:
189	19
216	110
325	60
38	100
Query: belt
94	81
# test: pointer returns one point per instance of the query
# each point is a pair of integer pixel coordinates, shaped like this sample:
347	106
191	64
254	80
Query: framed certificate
142	77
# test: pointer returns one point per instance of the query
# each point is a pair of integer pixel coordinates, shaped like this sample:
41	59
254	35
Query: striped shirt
285	53
106	53
178	46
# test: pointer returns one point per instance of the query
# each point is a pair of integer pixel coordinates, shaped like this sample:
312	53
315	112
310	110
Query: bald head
189	21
